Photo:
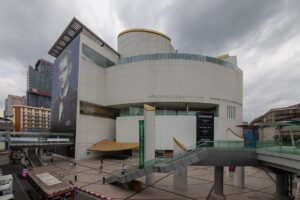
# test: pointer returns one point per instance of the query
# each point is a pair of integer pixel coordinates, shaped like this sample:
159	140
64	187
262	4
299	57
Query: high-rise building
10	101
39	84
27	118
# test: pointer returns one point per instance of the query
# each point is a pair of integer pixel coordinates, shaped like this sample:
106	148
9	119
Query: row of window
105	62
161	56
231	112
35	122
139	111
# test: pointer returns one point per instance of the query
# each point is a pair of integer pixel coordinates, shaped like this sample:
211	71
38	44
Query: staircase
184	158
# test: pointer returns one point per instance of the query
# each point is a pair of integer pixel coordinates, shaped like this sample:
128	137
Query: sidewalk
200	180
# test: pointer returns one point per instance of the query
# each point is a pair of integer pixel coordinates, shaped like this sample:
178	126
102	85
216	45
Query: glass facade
39	84
139	111
96	57
183	56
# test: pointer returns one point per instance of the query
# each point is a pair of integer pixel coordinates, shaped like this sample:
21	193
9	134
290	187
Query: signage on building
205	127
36	91
141	144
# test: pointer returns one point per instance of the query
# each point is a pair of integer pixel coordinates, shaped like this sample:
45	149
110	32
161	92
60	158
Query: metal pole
218	181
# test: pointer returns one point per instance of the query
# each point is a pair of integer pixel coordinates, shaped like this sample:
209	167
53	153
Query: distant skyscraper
13	100
39	84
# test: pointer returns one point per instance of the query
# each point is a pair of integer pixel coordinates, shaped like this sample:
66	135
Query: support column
297	193
41	153
218	184
180	175
281	187
149	118
228	173
239	177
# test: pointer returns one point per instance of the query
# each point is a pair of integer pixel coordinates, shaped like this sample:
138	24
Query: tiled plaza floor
259	185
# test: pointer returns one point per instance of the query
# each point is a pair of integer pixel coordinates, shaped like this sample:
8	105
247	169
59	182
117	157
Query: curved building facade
114	85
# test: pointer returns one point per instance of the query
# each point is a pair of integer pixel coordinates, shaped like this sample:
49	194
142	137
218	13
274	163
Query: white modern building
113	85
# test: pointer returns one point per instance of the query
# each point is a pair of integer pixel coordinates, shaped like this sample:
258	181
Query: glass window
96	57
96	110
136	111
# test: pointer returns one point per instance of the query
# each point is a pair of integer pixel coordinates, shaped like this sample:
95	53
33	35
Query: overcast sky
264	34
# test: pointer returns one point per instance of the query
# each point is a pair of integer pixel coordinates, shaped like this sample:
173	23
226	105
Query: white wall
91	88
127	128
138	43
91	130
173	81
181	127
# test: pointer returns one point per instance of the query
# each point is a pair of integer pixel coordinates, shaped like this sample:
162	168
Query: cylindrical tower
139	41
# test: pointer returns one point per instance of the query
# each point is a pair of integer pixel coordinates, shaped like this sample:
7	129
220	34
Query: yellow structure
109	145
144	30
222	57
148	107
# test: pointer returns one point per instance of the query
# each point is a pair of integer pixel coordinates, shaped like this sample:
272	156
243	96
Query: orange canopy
109	145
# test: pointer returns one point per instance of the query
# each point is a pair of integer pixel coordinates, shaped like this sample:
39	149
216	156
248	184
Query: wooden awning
109	145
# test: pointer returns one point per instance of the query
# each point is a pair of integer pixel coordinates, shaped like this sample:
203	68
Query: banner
64	89
141	144
205	127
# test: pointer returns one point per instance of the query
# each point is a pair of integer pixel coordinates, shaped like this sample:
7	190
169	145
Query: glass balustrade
182	56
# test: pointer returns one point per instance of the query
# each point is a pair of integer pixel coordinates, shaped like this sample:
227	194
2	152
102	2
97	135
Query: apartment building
27	118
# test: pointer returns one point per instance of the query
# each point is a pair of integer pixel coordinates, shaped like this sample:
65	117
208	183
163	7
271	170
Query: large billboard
64	89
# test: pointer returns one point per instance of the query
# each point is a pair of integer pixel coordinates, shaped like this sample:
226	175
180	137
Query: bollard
75	177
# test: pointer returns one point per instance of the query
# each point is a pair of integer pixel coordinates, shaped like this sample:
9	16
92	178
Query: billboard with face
64	89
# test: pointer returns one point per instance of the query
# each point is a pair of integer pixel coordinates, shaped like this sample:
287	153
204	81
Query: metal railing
288	148
192	149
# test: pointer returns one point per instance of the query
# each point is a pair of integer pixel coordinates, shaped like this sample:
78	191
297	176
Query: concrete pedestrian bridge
281	158
219	153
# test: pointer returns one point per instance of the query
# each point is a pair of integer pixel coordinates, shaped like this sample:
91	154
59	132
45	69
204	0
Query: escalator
200	153
183	158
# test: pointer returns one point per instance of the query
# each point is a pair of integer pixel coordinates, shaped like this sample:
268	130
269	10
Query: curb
93	193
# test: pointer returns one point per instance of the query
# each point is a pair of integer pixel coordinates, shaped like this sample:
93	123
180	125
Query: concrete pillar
281	187
180	175
227	172
239	177
149	120
218	184
297	193
41	153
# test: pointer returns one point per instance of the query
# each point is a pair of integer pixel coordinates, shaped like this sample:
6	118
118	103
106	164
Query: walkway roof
109	145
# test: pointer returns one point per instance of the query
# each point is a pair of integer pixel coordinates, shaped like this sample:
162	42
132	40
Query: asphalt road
18	183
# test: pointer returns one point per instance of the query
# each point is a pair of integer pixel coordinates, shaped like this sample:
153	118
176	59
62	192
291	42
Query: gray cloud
264	35
257	31
28	29
31	28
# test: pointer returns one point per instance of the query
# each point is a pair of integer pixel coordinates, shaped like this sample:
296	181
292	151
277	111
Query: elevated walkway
215	154
218	153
